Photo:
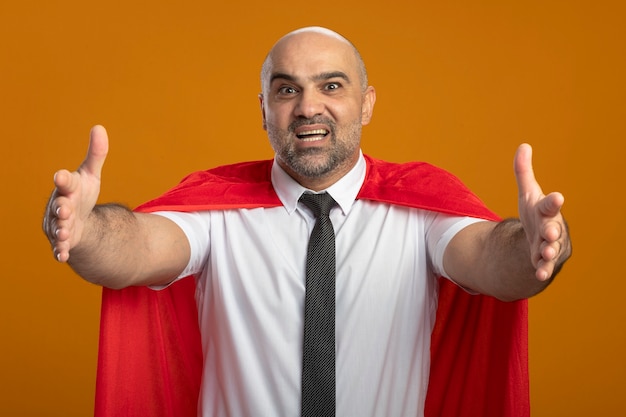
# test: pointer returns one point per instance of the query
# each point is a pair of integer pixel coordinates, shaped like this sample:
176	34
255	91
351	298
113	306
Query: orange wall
459	84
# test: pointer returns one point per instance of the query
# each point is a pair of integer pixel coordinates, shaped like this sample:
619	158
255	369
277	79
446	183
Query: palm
541	218
75	196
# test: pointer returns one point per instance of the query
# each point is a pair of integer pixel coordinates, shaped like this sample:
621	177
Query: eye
286	90
332	86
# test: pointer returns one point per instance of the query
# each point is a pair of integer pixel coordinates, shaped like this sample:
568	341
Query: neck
321	182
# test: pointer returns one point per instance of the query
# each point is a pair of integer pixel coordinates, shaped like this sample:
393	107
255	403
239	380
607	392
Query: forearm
120	248
508	265
106	254
513	259
494	259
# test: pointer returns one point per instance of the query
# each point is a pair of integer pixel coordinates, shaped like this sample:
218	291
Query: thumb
524	174
97	152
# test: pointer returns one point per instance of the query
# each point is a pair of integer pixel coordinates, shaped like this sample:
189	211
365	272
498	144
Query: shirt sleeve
440	233
196	227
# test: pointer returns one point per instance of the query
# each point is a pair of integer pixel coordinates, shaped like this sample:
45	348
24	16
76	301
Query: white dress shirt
250	265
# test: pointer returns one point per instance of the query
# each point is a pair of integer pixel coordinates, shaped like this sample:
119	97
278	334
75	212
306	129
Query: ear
262	111
367	105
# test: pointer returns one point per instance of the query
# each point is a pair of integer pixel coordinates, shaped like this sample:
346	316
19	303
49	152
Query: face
314	107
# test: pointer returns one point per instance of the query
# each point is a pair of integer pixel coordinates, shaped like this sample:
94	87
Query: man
250	262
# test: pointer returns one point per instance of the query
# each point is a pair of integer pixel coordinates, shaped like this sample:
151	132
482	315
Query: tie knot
320	204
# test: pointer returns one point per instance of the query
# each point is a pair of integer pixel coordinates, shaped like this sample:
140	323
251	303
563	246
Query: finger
552	232
63	182
50	228
546	264
97	152
53	209
550	251
60	239
61	252
524	174
58	212
544	272
551	204
63	208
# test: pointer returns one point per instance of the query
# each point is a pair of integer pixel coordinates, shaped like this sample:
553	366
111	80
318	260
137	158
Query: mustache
312	121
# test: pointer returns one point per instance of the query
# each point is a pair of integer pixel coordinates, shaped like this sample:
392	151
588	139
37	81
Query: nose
310	104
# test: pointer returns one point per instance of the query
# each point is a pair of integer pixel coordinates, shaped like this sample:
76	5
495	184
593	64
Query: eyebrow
319	77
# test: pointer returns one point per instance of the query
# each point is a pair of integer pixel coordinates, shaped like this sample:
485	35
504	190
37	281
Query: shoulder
421	185
242	172
241	185
406	171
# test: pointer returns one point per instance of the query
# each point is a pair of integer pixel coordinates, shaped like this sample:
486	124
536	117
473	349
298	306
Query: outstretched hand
541	219
74	197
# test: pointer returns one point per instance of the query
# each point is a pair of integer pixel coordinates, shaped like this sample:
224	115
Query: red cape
150	358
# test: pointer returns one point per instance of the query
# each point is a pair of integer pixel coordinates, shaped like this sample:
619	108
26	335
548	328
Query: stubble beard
316	162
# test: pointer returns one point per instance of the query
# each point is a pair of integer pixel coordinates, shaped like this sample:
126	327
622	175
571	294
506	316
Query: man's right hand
74	197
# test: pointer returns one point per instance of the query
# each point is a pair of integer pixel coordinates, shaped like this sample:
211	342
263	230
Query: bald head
307	36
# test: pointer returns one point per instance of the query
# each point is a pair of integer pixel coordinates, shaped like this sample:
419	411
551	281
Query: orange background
459	84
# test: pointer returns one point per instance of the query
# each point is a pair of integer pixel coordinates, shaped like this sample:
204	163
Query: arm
108	244
513	259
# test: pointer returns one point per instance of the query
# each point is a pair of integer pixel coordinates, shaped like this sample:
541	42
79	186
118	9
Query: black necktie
318	360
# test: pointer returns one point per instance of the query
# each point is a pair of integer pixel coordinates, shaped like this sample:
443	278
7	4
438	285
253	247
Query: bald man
249	262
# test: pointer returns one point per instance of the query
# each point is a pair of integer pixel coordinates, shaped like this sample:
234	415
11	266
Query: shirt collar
343	191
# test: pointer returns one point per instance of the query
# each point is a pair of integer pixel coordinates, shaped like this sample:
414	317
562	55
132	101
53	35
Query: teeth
312	135
314	132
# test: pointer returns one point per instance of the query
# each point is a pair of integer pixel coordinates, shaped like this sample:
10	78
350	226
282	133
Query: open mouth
312	135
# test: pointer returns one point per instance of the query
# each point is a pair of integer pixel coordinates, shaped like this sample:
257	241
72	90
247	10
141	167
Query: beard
316	162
